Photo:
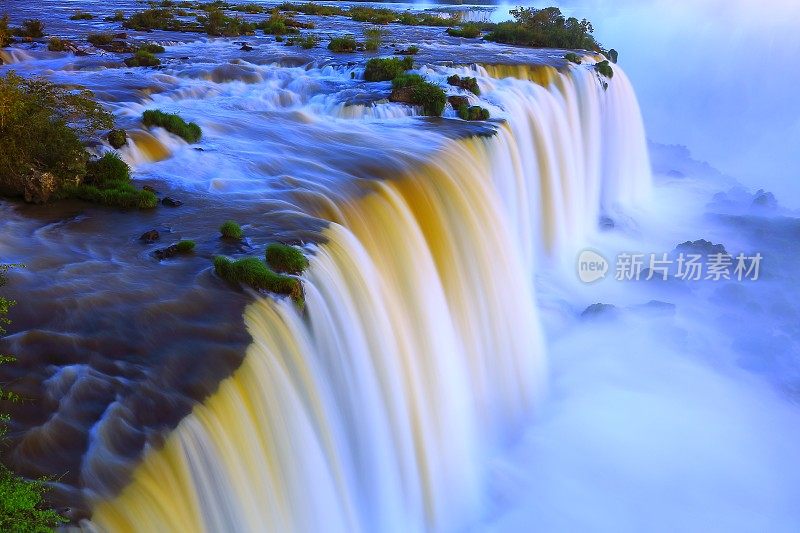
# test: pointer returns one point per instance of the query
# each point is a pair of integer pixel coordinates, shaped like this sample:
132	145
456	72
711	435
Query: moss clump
388	68
108	182
604	69
231	230
285	258
410	51
57	45
117	138
343	44
469	31
100	39
252	271
413	89
152	48
185	246
474	112
573	58
189	132
82	15
469	84
143	59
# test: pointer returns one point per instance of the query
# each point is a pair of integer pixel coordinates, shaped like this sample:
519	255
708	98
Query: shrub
216	23
470	31
252	271
189	132
117	138
143	58
252	9
413	89
152	19
152	48
411	51
100	39
5	32
425	19
311	8
276	24
57	45
573	58
385	69
473	112
230	229
604	69
119	16
307	42
372	15
544	28
41	131
81	15
373	38
31	28
108	182
343	44
185	246
407	80
469	84
285	258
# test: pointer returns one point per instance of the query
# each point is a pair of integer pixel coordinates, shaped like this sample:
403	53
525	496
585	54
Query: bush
604	69
216	23
413	89
311	8
469	84
152	19
152	48
411	51
252	9
252	271
372	15
385	69
473	113
230	229
40	133
57	45
5	32
189	132
545	28
307	42
470	31
343	44
185	246
373	38
100	39
119	16
286	259
143	58
573	58
31	28
276	24
108	182
81	15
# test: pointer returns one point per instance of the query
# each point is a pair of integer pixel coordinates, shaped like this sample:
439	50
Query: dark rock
246	47
171	202
599	310
118	47
458	101
403	95
39	187
150	237
149	189
701	247
166	253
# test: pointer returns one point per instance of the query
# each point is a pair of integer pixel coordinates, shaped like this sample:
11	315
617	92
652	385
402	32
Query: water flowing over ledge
420	354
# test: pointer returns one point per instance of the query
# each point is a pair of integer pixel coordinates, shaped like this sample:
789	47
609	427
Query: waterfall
420	351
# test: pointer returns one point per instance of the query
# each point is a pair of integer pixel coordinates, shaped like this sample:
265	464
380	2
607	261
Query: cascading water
420	352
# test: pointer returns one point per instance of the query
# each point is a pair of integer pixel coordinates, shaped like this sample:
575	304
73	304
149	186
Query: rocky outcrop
36	187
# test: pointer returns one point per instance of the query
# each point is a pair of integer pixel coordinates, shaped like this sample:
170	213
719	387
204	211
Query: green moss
152	48
185	246
82	15
285	258
343	44
604	69
108	182
254	272
100	39
469	84
143	58
573	58
231	230
190	132
469	31
388	68
473	112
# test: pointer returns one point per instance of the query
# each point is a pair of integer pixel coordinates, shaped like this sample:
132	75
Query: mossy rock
387	68
573	58
604	69
255	273
188	131
413	89
117	138
286	259
469	84
230	229
473	113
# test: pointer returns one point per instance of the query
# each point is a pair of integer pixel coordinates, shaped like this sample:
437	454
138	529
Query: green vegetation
286	259
385	69
469	30
473	113
22	508
152	48
573	58
343	44
410	51
252	9
185	246
100	39
311	8
143	58
469	84
604	69
117	138
276	24
372	39
372	15
119	16
413	89
252	271
40	136
56	45
108	182
5	31
544	28
218	24
152	19
81	15
230	229
30	29
189	132
306	41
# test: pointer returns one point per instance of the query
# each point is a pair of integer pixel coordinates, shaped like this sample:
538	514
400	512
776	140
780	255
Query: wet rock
246	47
171	202
150	237
166	253
149	189
118	47
600	310
117	138
39	187
402	95
458	101
701	247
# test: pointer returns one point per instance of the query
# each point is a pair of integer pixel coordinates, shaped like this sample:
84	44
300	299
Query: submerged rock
171	202
150	237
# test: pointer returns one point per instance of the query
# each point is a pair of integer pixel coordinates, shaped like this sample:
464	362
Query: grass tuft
189	132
